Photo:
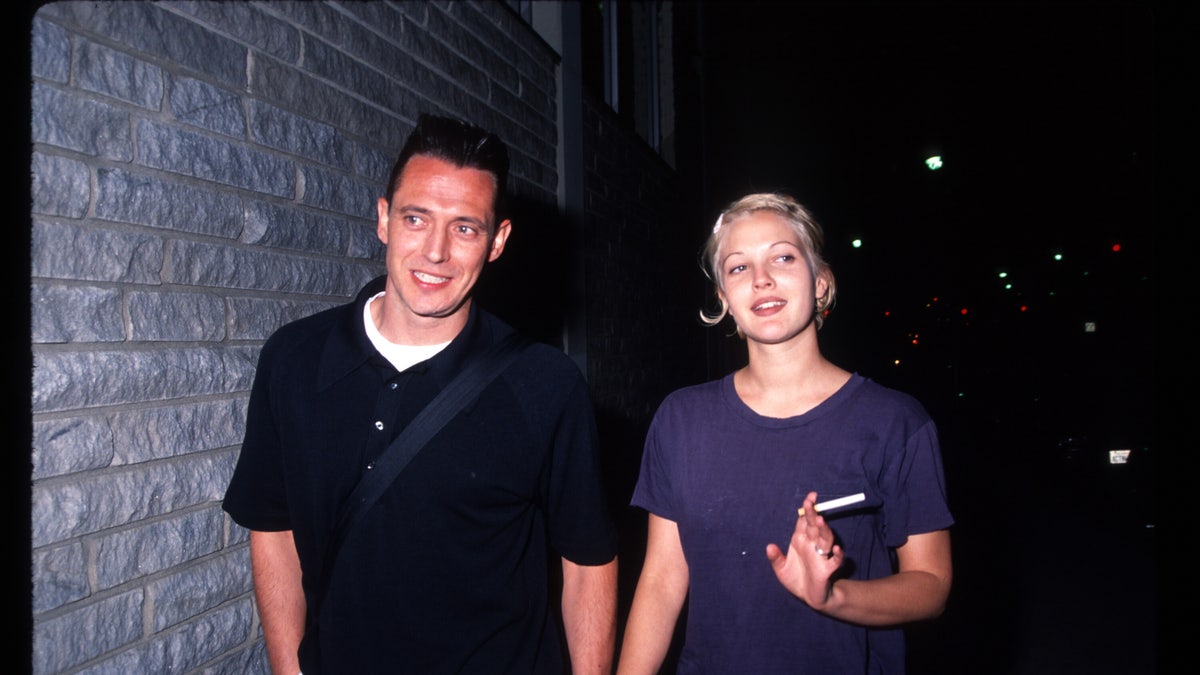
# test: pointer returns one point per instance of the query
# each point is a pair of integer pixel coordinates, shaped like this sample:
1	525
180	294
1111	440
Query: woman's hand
812	558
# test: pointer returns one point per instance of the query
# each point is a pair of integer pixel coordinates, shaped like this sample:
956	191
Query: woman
727	464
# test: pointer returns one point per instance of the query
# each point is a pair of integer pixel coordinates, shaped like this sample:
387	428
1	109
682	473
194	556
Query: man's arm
589	607
280	597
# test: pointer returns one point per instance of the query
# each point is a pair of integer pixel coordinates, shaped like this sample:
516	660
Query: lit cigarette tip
835	503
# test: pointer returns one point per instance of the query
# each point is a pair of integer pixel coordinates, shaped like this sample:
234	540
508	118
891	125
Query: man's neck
402	327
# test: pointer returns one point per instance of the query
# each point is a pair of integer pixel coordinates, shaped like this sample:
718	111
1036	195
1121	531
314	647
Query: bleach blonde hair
802	223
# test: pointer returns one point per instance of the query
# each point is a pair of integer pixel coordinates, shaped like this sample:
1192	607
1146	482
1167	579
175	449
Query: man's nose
436	245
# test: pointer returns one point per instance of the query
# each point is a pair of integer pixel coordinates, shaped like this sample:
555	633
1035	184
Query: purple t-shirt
732	480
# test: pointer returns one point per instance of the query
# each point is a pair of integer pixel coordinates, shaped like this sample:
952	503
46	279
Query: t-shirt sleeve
919	503
654	490
256	497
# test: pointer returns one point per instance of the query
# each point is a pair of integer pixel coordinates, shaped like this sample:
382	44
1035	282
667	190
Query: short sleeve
919	503
256	497
654	490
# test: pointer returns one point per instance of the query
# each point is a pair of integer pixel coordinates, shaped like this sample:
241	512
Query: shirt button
370	465
393	386
379	425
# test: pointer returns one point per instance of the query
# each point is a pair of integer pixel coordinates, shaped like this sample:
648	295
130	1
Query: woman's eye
737	268
786	258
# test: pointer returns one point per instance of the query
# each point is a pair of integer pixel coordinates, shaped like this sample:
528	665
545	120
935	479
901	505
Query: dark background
1048	117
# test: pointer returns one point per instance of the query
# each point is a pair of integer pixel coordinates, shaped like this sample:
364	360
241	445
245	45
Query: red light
1116	247
1024	307
935	298
887	312
914	341
963	311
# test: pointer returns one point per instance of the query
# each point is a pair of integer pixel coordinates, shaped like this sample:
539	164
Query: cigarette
835	503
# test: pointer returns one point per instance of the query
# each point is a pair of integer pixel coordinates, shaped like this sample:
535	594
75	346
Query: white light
1118	456
934	163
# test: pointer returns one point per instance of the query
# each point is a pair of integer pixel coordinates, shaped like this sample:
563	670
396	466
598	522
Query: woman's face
766	279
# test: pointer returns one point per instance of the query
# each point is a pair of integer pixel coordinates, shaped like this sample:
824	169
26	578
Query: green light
1004	275
1058	256
934	163
1008	287
857	243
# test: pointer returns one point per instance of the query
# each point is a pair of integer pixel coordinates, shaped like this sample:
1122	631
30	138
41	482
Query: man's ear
381	226
503	229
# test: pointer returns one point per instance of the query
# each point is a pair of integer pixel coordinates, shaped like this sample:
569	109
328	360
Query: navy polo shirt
448	571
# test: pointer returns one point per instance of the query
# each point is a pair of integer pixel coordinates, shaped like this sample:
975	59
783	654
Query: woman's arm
661	590
917	591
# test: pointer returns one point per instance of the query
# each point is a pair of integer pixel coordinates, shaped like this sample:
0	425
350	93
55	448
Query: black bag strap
451	400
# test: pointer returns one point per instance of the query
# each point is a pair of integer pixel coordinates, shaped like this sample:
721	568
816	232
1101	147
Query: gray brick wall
203	172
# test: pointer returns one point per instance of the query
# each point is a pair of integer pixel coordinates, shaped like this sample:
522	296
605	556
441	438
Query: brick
62	510
207	106
330	63
249	661
70	445
200	587
165	317
475	66
137	198
237	533
86	632
118	75
75	314
89	254
339	193
257	318
382	17
325	21
59	577
173	149
123	555
312	141
71	380
374	162
364	241
50	49
72	121
61	186
147	28
291	89
297	229
246	23
185	648
177	429
200	264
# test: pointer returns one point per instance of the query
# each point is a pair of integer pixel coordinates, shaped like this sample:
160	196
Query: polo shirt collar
349	348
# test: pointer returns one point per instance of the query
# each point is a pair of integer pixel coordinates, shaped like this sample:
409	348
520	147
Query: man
448	571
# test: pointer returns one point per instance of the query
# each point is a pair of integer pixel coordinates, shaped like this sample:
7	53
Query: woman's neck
788	379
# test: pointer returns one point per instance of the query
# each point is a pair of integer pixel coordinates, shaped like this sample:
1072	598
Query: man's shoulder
304	339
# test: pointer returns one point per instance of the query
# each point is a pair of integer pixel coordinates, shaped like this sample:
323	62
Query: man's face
438	232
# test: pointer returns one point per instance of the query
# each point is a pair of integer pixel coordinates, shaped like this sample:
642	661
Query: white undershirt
400	356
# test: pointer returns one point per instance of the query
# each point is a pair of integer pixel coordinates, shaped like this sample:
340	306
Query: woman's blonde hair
812	239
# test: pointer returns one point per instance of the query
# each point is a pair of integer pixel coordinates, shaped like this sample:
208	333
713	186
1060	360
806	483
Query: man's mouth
426	278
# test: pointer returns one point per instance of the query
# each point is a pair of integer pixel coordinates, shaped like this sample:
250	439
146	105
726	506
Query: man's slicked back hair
457	142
